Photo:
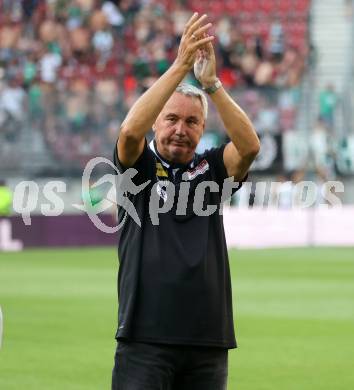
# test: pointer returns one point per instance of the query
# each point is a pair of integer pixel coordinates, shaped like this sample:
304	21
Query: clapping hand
193	39
205	65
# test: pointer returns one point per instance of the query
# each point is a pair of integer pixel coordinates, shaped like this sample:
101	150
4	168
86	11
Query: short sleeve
215	158
144	164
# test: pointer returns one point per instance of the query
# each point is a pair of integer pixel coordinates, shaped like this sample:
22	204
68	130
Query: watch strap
213	88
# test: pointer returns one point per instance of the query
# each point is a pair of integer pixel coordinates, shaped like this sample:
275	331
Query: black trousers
141	366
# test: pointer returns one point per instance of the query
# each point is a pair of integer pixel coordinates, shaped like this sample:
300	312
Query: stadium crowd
71	68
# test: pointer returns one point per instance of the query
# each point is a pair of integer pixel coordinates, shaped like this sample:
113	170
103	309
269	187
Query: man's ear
154	127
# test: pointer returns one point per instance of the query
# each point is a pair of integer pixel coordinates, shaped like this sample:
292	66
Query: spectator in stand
264	74
328	101
113	14
248	64
77	106
268	118
288	72
102	39
276	37
320	152
12	109
10	33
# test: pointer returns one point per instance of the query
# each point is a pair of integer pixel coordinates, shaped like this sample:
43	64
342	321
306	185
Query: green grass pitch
294	312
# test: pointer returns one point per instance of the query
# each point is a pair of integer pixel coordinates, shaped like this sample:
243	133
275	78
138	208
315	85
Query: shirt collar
165	163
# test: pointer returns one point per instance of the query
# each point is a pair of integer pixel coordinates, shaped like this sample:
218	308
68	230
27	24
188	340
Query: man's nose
180	128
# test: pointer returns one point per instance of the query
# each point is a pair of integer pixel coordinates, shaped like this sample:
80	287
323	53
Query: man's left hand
205	66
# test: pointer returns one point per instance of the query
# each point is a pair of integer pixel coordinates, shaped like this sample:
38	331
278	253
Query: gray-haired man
175	302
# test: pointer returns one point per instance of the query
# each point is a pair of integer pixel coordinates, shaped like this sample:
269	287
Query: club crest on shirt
201	168
160	171
161	189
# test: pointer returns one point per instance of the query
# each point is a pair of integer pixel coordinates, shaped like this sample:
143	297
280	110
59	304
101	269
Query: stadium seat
215	9
267	6
285	6
250	6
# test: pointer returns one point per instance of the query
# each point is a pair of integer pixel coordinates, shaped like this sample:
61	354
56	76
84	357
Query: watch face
213	88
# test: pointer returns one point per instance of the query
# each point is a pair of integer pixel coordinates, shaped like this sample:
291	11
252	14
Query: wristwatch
213	88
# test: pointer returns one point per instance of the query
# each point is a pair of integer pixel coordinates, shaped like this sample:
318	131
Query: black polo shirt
174	282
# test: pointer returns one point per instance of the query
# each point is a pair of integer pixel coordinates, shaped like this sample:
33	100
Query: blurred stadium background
69	71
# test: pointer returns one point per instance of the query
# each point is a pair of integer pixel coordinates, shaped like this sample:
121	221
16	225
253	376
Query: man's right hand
193	38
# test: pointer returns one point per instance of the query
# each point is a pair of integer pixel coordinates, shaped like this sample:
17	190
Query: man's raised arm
244	146
144	112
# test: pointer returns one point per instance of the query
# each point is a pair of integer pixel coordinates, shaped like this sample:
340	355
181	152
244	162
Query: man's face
179	128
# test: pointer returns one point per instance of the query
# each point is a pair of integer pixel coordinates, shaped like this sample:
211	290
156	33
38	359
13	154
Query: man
175	304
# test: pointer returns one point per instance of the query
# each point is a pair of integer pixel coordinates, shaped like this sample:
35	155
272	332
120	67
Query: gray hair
191	90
